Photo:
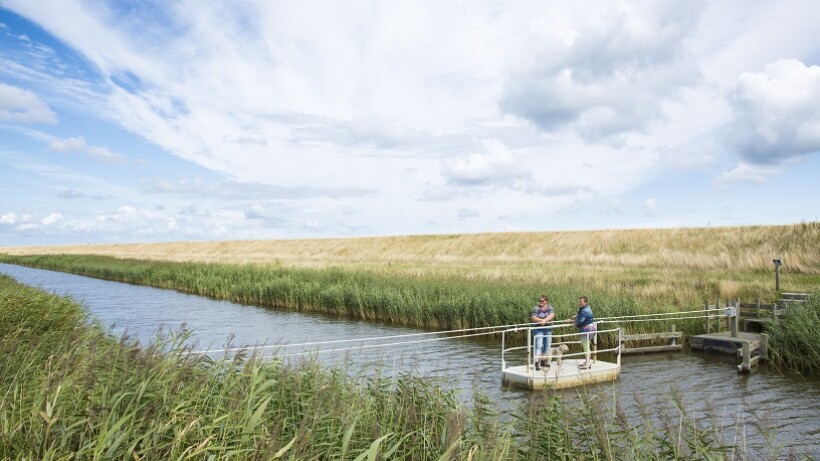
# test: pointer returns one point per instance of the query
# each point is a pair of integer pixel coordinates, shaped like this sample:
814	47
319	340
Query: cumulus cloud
78	145
51	219
23	106
605	70
747	173
8	218
777	112
495	166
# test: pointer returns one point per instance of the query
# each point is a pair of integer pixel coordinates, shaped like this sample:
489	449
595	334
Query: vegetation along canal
765	407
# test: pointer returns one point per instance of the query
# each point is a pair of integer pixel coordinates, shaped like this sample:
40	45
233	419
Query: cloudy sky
188	120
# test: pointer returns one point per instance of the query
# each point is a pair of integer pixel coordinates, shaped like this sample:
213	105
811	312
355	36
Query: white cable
651	320
659	315
320	351
372	338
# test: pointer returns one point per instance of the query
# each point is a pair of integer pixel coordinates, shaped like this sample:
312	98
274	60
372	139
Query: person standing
542	315
585	322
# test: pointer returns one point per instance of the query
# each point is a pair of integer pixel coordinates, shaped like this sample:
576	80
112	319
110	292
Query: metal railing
529	347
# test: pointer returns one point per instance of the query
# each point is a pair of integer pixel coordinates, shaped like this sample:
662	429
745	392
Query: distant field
461	281
671	266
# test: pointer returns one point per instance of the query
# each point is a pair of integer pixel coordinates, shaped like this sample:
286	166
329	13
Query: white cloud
777	112
8	218
650	205
748	173
78	145
496	165
23	106
53	218
604	69
387	117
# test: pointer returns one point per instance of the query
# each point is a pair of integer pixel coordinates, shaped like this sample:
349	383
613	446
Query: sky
179	120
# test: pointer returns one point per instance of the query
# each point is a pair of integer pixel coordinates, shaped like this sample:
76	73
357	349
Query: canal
784	406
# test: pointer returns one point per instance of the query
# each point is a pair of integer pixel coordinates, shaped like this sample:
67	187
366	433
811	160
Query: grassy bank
70	391
675	268
426	301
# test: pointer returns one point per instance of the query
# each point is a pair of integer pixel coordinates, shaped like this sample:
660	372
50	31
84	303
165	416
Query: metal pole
503	363
529	350
733	321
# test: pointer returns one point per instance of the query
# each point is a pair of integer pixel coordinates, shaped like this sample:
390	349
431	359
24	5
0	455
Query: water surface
788	406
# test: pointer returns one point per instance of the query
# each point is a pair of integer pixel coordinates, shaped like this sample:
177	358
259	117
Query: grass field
460	281
674	267
70	391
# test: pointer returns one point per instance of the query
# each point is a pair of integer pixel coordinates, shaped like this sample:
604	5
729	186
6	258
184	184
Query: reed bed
432	302
71	391
793	340
508	255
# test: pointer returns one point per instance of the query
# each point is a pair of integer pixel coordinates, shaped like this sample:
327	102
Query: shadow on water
757	405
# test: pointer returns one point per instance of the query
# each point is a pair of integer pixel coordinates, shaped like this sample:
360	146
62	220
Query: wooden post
746	365
620	344
674	340
733	320
758	307
708	317
764	346
718	314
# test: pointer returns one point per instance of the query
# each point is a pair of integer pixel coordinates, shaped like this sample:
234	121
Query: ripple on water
762	402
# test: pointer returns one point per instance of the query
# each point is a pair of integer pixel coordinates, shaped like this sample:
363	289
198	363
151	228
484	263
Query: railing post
503	350
620	344
733	321
674	340
764	346
595	346
717	306
529	350
708	317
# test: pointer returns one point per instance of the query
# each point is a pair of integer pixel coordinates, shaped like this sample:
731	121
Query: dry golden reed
719	248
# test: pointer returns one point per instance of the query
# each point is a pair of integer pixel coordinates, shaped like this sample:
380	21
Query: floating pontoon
561	375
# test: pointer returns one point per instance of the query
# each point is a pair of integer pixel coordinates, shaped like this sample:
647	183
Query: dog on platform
557	352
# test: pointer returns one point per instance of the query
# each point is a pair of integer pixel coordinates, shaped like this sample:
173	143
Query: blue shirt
584	317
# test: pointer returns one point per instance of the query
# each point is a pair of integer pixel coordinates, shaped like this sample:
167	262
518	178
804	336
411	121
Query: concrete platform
561	377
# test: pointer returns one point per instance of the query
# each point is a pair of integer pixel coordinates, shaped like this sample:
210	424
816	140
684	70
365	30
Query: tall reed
426	301
70	391
793	339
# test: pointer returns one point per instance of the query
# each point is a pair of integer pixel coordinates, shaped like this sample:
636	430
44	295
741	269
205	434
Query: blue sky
185	120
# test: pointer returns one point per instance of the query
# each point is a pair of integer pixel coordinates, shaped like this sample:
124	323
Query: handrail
505	350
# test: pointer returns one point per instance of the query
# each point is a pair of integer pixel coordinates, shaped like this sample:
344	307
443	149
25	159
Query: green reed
427	301
793	339
71	391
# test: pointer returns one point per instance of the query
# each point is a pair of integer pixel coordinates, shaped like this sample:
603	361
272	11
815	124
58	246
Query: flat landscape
676	267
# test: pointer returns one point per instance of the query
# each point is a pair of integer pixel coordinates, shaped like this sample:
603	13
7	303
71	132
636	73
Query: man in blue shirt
541	316
586	328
